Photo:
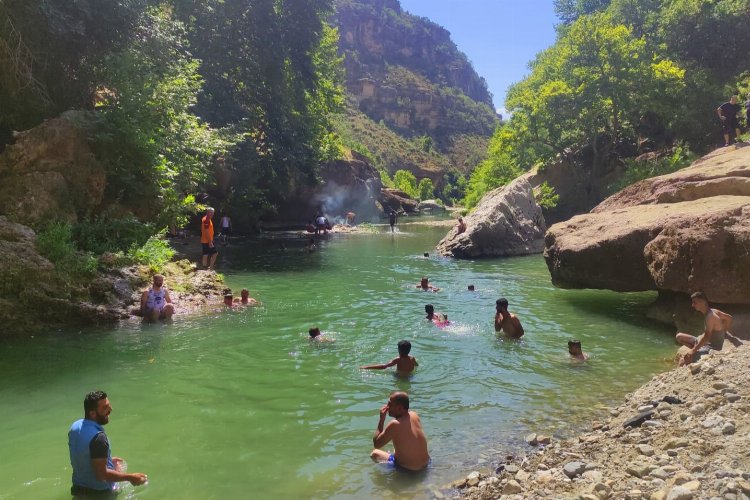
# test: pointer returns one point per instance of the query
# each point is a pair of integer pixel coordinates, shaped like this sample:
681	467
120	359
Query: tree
426	189
406	182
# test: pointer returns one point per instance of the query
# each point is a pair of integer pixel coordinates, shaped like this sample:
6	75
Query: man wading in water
506	321
405	430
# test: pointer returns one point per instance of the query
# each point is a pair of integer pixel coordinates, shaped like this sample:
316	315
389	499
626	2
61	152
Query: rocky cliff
507	222
677	233
406	72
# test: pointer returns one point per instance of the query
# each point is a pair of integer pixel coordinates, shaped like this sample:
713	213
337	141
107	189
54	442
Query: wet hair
401	398
426	254
245	291
699	295
502	303
429	309
158	277
471	288
91	401
404	347
574	343
314	331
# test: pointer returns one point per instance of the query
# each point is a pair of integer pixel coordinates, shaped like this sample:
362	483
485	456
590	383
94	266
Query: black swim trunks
208	250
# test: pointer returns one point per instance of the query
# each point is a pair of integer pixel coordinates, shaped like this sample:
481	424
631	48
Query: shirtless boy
405	430
424	285
506	321
404	363
576	352
715	326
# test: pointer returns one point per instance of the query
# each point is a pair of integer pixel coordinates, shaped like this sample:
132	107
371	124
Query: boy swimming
404	363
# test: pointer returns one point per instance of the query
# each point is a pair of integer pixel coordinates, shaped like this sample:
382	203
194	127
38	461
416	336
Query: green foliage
454	187
546	196
406	182
109	234
385	179
425	189
55	242
155	253
502	166
635	171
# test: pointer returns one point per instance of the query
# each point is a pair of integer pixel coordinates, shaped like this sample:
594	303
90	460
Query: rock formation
49	172
680	233
507	222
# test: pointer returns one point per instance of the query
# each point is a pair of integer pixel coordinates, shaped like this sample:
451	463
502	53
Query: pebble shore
683	435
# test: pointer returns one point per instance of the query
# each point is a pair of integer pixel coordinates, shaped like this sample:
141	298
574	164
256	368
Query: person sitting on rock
155	302
575	351
405	431
506	321
424	285
715	326
461	226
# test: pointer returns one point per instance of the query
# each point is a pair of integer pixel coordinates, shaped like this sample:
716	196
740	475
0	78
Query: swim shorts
207	250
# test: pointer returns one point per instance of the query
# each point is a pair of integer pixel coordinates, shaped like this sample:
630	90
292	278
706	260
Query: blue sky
500	37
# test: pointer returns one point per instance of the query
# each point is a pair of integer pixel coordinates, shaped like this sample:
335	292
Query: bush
55	242
636	171
105	234
406	182
545	196
426	189
155	253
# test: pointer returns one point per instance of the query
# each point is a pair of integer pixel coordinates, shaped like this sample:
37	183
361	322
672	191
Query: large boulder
508	221
398	201
50	172
676	233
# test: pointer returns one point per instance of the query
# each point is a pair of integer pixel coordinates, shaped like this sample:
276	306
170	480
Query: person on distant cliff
95	470
404	363
424	285
575	351
716	324
207	239
506	321
461	226
728	115
405	430
155	302
392	220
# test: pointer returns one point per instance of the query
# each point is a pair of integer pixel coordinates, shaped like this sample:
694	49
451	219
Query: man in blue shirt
95	471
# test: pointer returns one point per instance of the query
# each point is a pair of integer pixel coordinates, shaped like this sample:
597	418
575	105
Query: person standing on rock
155	302
226	229
506	321
392	220
207	239
95	470
728	115
405	430
715	326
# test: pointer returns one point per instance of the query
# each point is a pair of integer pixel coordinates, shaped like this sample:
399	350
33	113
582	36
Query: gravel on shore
683	435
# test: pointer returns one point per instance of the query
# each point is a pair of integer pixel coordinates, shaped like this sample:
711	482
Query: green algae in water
238	404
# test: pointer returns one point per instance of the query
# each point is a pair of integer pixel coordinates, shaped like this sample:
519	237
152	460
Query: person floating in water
155	302
424	285
95	470
405	431
471	288
404	363
392	220
426	255
437	318
575	351
317	336
716	324
506	321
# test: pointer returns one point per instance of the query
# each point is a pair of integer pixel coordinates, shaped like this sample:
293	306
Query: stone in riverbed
680	493
531	439
573	469
646	449
512	487
639	470
472	479
543	440
511	469
732	398
676	443
728	429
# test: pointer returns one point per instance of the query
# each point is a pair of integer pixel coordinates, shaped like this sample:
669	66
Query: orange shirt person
207	239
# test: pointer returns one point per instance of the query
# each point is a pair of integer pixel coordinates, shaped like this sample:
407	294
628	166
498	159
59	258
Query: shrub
55	242
105	234
426	189
406	182
155	253
636	171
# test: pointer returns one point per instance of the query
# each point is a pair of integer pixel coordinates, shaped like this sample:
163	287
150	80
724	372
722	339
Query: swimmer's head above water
404	347
430	310
471	288
574	347
314	332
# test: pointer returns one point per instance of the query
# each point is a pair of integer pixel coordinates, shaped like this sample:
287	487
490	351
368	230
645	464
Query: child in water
316	335
404	363
574	349
437	318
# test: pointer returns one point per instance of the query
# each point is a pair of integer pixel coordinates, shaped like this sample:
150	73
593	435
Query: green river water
239	404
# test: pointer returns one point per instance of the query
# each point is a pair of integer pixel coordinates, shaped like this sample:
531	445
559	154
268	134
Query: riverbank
692	441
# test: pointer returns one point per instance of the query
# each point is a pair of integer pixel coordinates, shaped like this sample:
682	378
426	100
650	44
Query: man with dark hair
405	430
404	363
392	219
506	321
95	470
728	115
715	326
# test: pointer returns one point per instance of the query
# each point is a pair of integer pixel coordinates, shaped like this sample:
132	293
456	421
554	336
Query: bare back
410	442
509	324
405	364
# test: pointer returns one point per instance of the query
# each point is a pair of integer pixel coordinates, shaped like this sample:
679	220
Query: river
239	404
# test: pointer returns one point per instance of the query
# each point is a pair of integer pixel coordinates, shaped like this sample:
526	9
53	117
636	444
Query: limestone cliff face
406	71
